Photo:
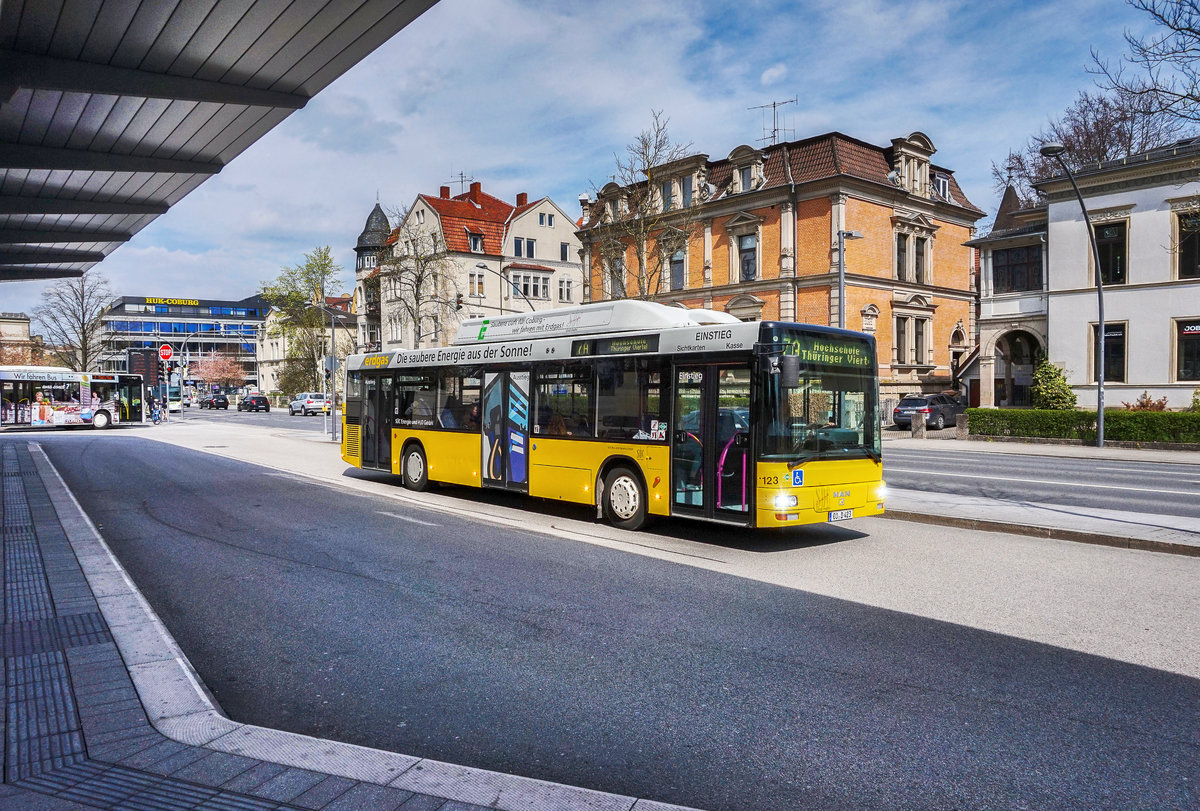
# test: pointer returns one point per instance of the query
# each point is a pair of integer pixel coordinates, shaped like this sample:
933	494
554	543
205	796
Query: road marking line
1042	481
406	518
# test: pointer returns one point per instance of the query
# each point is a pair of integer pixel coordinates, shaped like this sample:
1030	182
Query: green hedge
1119	426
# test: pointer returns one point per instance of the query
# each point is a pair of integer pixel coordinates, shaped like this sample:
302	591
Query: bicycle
156	413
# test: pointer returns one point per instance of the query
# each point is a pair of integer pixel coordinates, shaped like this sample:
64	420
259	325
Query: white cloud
773	74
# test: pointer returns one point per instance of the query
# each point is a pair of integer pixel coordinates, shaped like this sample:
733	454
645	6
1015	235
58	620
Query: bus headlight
782	502
881	492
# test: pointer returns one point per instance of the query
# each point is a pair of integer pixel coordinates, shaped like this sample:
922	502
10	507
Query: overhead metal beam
23	156
48	256
48	73
16	204
12	236
20	274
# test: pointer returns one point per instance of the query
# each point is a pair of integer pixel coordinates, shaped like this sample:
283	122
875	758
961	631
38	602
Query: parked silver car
308	403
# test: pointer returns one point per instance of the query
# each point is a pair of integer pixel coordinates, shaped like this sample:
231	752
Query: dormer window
745	175
476	241
941	185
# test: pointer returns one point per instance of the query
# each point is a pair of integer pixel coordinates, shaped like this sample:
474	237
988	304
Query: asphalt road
275	418
1141	487
339	614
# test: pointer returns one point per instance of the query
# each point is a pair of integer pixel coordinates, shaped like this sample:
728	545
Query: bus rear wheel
415	469
100	420
624	499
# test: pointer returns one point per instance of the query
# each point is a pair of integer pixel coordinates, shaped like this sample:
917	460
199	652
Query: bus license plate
841	515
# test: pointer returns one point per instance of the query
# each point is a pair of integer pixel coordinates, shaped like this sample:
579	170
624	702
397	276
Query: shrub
1195	406
1050	389
1119	426
1145	403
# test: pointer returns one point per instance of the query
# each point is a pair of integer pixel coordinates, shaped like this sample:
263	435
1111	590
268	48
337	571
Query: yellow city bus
637	408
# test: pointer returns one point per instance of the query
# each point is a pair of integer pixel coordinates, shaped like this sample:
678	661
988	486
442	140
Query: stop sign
165	352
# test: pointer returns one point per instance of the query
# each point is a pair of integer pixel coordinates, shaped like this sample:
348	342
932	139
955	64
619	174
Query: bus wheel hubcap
624	498
414	467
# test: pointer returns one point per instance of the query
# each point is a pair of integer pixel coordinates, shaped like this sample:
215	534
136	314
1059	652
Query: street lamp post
1054	150
504	280
333	314
842	237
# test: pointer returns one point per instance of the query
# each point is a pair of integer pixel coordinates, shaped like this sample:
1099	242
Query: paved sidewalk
103	710
1150	531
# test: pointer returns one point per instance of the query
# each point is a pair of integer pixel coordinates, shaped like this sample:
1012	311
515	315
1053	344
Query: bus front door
505	426
378	402
711	462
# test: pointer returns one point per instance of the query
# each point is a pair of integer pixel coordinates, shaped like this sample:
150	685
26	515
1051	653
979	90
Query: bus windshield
831	411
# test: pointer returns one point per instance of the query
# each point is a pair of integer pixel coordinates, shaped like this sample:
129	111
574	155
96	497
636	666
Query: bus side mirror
789	370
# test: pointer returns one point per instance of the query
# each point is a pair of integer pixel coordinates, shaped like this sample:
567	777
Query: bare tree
417	278
1098	127
69	317
637	218
1166	75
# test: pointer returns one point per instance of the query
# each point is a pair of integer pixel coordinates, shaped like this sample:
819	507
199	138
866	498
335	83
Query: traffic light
458	302
162	372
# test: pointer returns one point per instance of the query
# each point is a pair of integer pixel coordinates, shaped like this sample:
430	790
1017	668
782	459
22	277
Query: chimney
584	202
445	192
522	199
476	190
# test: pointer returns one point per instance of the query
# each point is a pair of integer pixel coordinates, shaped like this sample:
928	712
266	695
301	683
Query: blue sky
535	96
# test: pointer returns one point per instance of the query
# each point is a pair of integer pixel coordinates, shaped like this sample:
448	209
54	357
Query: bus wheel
100	420
624	500
416	471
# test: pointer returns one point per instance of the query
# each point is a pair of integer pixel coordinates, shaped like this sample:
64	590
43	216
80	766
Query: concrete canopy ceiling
111	111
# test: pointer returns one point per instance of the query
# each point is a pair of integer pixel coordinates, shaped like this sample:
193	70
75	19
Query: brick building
760	240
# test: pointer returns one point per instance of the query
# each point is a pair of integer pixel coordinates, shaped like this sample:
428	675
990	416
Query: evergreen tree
1050	388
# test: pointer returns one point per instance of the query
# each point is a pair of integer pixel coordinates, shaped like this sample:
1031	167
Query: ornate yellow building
756	234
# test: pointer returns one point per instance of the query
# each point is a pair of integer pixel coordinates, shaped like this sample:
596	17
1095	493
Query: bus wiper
795	463
878	457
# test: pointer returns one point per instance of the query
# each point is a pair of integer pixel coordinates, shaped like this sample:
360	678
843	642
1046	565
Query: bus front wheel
100	420
624	499
416	470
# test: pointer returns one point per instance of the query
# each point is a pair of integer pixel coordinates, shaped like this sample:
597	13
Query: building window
677	271
1189	246
476	243
920	257
475	284
420	216
1114	352
616	278
531	285
667	197
941	185
902	256
745	174
901	348
686	187
564	251
748	257
518	247
541	218
564	290
549	220
1187	349
1110	241
1017	270
919	341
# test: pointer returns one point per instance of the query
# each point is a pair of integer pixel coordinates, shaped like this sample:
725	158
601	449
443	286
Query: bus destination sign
623	345
826	350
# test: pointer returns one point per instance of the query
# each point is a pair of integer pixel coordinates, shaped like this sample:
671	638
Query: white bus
51	397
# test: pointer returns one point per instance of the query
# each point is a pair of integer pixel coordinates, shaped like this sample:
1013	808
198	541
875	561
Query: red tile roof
475	212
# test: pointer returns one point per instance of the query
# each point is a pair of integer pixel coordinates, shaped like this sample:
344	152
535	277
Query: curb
181	708
1053	533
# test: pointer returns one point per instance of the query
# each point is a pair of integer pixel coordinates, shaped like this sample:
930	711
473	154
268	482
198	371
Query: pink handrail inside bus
721	466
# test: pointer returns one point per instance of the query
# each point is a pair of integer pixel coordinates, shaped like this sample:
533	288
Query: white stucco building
1038	294
1145	210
